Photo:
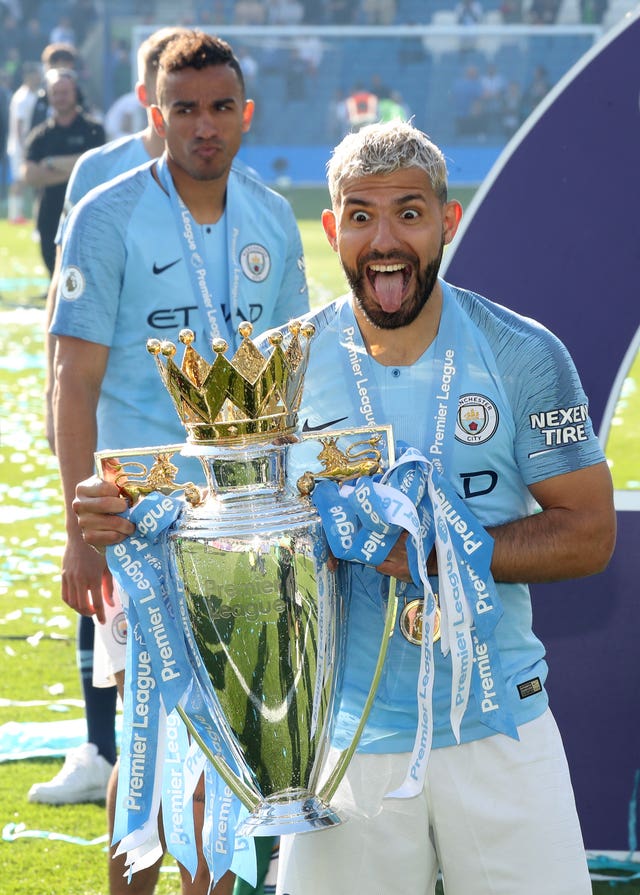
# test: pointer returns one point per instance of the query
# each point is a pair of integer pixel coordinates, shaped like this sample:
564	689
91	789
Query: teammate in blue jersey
469	779
95	168
101	649
86	769
128	252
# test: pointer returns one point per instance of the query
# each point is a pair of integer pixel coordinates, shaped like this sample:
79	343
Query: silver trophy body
268	621
263	606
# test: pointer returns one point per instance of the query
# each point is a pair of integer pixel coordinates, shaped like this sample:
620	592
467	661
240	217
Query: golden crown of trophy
250	397
267	616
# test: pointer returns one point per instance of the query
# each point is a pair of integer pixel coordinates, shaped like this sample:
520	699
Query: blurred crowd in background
473	89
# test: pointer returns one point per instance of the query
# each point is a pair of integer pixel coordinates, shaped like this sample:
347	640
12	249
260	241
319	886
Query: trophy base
281	816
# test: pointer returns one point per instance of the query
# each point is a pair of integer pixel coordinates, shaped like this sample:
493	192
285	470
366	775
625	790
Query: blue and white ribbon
164	670
364	520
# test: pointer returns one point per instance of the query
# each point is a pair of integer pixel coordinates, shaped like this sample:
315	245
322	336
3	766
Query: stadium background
303	59
421	58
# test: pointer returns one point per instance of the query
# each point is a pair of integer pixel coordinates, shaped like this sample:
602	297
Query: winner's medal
411	621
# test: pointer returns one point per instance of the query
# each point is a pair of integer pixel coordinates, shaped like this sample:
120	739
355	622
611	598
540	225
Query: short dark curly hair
196	49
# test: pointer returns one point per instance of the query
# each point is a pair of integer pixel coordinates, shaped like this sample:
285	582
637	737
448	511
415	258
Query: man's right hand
86	580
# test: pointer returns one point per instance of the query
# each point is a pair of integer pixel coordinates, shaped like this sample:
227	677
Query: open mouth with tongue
389	282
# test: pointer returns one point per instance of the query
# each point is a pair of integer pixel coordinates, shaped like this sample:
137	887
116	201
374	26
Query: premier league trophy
267	616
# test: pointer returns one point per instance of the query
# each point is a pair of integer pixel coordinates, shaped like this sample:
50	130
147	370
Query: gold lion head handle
342	466
135	480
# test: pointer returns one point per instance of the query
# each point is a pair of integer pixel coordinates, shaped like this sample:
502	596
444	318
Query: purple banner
553	233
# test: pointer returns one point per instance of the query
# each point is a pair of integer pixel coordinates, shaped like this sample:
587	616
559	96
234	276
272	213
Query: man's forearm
75	438
573	536
50	171
63	164
549	546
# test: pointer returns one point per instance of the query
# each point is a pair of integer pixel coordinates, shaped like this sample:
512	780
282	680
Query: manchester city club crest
477	419
255	262
119	628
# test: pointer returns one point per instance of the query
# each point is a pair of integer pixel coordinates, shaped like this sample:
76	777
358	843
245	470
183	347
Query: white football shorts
110	642
496	817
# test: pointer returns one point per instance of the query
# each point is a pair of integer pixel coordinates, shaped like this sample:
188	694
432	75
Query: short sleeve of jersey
93	261
82	180
80	183
554	433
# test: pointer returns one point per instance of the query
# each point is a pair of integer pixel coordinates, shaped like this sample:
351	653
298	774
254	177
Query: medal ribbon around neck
194	255
164	672
364	521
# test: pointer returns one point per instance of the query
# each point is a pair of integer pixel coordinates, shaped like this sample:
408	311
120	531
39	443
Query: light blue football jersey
521	418
124	281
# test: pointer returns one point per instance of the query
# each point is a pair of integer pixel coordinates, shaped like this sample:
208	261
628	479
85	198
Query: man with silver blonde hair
382	149
460	769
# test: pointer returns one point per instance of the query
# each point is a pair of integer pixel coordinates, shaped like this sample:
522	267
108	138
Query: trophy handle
237	786
333	781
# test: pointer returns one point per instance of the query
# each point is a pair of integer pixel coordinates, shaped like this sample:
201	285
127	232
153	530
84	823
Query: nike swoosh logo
307	428
162	269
